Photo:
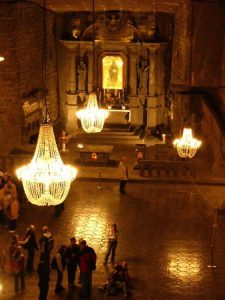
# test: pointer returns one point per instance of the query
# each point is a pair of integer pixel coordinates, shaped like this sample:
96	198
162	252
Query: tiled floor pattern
165	234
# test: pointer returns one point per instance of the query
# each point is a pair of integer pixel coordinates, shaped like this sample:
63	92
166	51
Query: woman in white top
112	243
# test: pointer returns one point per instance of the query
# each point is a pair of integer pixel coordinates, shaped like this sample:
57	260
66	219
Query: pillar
90	72
153	72
72	82
133	74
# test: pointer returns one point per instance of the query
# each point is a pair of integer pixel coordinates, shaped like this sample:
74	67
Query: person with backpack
87	264
58	263
46	245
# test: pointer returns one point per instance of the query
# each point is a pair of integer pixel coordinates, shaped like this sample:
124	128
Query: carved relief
143	75
82	75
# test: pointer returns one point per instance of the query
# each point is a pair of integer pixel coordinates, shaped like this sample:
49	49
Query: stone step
111	136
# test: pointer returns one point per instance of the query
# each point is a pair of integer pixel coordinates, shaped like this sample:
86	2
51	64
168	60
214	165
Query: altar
95	153
119	116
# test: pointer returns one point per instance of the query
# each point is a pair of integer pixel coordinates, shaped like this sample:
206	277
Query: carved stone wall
142	50
194	110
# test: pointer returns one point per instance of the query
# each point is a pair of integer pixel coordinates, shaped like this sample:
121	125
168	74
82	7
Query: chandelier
46	180
92	117
187	145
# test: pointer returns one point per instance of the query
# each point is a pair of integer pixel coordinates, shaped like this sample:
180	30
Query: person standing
31	245
123	173
13	246
43	282
60	266
10	187
112	243
13	213
72	259
87	264
46	245
18	268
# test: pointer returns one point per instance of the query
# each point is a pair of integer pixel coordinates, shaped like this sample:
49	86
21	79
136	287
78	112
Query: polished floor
166	234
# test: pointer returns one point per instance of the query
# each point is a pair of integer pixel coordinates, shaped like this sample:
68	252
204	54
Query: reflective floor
165	235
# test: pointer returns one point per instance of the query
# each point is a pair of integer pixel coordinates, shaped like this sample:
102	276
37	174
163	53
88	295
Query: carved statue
82	76
113	21
143	72
113	73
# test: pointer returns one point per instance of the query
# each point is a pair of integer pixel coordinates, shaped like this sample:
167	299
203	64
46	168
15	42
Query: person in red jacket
87	264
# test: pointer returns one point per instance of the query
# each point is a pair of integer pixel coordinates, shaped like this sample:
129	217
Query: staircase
113	134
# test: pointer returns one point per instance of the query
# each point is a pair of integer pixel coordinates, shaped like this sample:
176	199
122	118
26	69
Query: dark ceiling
101	5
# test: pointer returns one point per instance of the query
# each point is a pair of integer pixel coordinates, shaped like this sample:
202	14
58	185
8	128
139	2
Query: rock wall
195	110
21	73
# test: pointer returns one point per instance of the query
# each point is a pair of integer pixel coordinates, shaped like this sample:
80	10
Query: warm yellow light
2	58
92	117
187	145
112	71
185	266
46	180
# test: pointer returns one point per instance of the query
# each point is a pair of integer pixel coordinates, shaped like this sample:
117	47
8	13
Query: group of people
68	257
9	204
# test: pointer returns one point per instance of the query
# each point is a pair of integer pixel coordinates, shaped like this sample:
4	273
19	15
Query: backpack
54	263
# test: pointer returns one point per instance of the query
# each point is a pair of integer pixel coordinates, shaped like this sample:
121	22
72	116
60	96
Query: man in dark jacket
30	245
46	245
87	264
72	259
44	277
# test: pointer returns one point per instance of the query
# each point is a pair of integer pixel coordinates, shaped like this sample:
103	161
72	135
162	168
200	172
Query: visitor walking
112	243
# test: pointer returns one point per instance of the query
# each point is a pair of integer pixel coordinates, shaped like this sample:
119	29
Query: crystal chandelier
46	180
92	117
187	145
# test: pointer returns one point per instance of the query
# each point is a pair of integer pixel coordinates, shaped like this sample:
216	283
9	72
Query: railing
164	168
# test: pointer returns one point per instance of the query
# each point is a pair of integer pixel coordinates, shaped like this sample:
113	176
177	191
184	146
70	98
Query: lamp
187	145
46	180
92	117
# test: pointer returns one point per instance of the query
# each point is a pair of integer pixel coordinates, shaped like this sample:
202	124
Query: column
160	71
90	71
71	119
133	74
153	72
72	82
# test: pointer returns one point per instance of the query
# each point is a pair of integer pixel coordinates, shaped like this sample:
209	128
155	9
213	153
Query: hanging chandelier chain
93	40
46	117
